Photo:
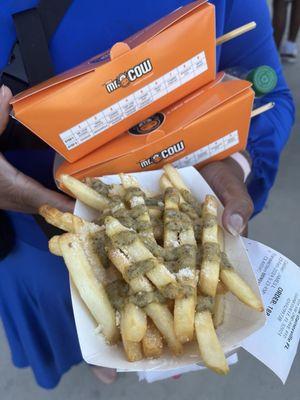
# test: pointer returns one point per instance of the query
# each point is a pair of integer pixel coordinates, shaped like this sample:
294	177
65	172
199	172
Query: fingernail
4	91
236	224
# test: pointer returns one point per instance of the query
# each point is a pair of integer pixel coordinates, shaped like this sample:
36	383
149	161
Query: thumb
5	96
232	192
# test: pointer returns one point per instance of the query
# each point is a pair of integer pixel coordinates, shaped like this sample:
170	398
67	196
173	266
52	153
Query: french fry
134	323
221	288
209	346
174	177
165	183
54	246
163	320
239	288
84	193
234	283
179	236
90	247
90	289
210	266
133	350
219	310
152	341
135	197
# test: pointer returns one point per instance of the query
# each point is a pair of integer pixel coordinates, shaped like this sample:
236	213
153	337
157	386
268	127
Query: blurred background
278	227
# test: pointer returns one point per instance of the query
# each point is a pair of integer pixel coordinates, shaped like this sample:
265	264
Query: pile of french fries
152	270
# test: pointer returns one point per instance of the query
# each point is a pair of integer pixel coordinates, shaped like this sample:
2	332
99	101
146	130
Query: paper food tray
239	322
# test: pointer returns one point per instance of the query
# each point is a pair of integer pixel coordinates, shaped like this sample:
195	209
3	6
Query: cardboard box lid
206	99
117	50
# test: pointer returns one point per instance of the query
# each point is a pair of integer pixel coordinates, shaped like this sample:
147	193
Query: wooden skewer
262	109
236	32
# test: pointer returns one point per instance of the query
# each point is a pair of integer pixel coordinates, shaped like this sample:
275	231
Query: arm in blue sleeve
270	131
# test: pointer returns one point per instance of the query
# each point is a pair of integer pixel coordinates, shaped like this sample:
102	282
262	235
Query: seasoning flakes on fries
152	270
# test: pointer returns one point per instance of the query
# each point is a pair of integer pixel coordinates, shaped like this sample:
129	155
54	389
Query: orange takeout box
209	124
80	110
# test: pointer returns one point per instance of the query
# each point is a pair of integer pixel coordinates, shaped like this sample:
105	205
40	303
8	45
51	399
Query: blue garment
35	304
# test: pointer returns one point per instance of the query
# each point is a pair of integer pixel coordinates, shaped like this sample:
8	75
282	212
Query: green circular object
263	78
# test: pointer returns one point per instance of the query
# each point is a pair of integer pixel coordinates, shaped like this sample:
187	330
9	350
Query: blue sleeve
270	131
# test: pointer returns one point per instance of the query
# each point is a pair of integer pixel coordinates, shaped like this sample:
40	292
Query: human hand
226	178
19	192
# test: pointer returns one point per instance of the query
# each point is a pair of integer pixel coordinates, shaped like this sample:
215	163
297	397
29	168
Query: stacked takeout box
152	99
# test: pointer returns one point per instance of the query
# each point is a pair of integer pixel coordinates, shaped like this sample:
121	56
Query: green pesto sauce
98	242
153	247
209	221
211	252
170	291
142	299
205	303
124	238
225	262
153	201
133	192
117	292
172	194
98	186
190	199
140	268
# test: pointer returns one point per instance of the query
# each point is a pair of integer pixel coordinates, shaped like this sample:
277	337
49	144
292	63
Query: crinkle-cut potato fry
133	350
210	266
134	323
163	320
84	193
152	341
90	289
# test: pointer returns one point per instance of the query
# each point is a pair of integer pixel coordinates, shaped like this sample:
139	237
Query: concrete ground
277	226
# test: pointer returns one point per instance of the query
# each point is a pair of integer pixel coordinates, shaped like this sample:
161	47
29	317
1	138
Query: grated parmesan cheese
136	201
118	318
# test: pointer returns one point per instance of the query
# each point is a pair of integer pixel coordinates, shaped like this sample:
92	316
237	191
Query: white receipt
275	345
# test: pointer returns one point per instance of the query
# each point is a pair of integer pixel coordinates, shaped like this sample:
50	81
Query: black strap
33	46
30	62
